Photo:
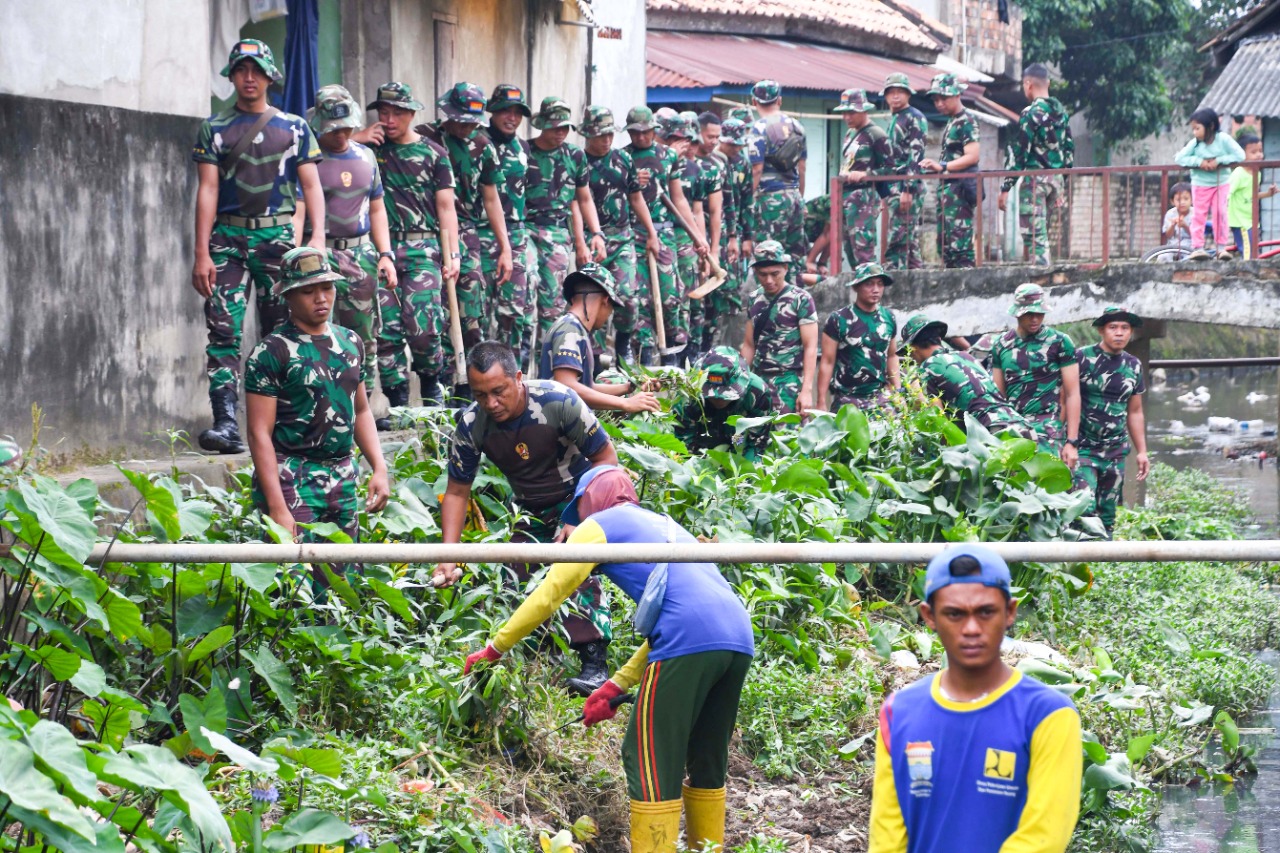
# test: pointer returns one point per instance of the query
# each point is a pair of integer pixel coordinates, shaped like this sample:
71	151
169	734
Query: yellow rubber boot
655	827
704	817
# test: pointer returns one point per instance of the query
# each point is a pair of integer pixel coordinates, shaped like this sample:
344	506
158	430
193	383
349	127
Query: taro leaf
162	506
307	827
61	663
90	679
853	421
394	599
1048	472
1042	672
276	674
27	788
818	436
209	714
57	749
56	835
1174	640
327	531
69	532
1139	747
1009	454
850	749
197	617
1096	752
237	754
195	518
156	767
110	721
1196	716
651	461
1114	774
338	585
662	441
803	476
123	614
211	642
84	492
890	508
259	577
74	641
1230	732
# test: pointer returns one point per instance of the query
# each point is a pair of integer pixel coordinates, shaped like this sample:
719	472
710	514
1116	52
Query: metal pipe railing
1256	550
1260	361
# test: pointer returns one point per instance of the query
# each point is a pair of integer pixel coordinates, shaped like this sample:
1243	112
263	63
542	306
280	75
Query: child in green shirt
1240	199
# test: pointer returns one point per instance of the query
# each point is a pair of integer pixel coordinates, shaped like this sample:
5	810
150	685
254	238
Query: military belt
411	236
253	223
549	221
346	242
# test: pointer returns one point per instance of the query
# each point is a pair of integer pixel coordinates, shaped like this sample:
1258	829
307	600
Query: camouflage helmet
868	271
396	95
725	377
508	95
853	101
766	91
769	253
463	103
1028	299
734	131
917	324
897	80
10	452
946	85
1112	313
591	278
301	267
335	109
640	119
597	121
259	52
553	114
743	114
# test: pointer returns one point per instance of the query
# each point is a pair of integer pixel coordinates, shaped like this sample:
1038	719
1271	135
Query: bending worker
690	670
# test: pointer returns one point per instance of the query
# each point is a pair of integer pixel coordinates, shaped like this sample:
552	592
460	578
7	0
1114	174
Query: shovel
613	703
659	320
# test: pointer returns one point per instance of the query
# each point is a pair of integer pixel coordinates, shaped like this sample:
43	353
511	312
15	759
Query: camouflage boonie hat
335	109
868	271
597	121
769	253
508	95
725	379
591	278
743	114
690	119
1028	299
917	325
553	114
946	86
640	119
766	91
734	131
396	95
303	266
852	101
671	124
897	80
259	53
1112	313
463	103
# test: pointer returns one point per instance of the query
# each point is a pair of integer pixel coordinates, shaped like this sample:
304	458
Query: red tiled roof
868	16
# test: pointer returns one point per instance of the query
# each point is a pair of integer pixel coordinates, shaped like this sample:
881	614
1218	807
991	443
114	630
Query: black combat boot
224	437
646	357
397	395
432	395
595	667
622	347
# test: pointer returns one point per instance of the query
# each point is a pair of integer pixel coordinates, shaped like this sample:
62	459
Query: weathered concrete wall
619	77
98	321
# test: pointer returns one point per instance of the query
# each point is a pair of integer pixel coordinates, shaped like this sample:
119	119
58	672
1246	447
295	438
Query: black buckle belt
253	223
346	242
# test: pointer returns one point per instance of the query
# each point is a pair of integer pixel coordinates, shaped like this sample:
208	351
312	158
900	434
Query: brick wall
983	41
1137	212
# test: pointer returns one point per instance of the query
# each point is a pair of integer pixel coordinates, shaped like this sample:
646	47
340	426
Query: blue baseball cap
570	514
967	564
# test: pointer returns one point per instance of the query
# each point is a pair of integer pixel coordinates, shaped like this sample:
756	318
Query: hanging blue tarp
301	63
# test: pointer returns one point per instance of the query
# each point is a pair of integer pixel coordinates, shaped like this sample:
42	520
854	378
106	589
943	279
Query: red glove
596	709
489	653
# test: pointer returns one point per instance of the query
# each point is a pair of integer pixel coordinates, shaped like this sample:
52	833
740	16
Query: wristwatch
944	168
599	234
391	255
454	255
1074	442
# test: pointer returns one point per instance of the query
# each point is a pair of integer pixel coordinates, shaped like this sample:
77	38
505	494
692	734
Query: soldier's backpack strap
229	163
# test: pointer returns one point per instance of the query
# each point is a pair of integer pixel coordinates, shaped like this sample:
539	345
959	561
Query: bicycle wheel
1165	255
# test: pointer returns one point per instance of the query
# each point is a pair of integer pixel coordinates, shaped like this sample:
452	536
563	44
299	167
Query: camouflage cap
670	124
725	377
259	52
597	121
335	109
852	101
640	119
769	253
917	324
591	278
303	266
1112	313
734	131
463	103
553	114
868	271
946	85
1028	299
743	114
897	80
396	95
508	95
766	91
690	118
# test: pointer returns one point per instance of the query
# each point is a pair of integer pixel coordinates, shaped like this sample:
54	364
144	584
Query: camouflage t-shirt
1042	140
350	181
475	164
768	136
568	344
817	217
959	132
613	179
1107	382
412	174
265	180
776	323
963	386
551	182
543	451
907	132
663	164
862	349
729	194
1032	369
314	380
513	154
705	427
866	150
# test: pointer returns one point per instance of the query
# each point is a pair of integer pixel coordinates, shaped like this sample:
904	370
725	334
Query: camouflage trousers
861	218
1049	432
645	336
588	619
357	304
726	300
553	245
955	226
243	258
316	490
690	317
780	216
784	387
512	303
1104	478
866	402
1038	197
620	261
412	314
473	289
902	249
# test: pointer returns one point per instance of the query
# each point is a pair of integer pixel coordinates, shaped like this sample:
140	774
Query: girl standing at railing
1209	156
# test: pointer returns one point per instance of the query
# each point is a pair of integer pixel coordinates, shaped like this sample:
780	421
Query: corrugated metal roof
1250	84
868	16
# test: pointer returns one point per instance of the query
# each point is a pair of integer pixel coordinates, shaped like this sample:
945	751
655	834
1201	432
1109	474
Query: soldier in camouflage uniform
729	390
907	131
781	343
703	189
355	227
1043	141
778	154
542	438
557	177
514	300
616	191
244	213
477	169
307	406
817	228
1111	389
1034	366
418	181
957	382
859	363
706	132
739	220
957	197
866	152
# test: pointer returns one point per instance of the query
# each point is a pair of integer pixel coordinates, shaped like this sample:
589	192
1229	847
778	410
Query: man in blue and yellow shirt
977	757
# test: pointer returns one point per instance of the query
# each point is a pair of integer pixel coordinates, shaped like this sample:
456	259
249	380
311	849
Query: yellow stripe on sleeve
1053	787
888	830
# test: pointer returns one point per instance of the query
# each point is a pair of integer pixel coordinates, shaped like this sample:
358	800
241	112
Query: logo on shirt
522	450
346	179
1000	765
920	767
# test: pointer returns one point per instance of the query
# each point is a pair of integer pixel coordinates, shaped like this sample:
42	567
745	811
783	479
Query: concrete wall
619	63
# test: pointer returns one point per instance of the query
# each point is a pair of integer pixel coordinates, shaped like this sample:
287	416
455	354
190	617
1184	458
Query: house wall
981	40
619	63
